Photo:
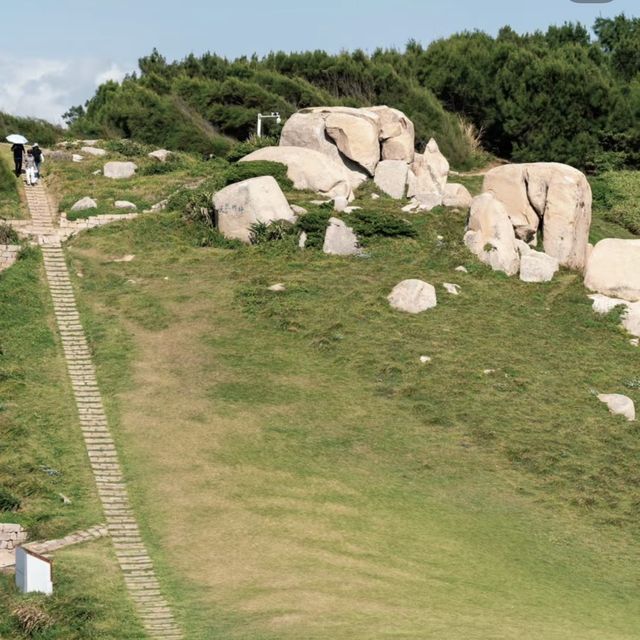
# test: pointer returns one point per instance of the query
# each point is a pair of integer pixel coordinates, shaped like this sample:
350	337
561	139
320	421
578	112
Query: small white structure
33	572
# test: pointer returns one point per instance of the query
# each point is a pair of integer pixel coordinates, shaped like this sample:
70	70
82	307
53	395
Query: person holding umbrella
18	151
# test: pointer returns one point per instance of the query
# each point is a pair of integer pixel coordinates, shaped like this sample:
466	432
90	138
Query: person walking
18	154
31	169
38	157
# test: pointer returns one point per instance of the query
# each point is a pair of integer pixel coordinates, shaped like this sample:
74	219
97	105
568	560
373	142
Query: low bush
255	169
8	234
152	167
8	502
128	148
242	149
368	224
615	197
262	232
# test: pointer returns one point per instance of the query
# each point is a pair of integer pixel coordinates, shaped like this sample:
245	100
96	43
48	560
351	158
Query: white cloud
46	88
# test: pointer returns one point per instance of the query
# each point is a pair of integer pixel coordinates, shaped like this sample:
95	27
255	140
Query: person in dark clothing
38	157
18	154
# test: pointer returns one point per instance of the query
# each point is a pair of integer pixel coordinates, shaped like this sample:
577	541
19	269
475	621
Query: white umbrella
16	138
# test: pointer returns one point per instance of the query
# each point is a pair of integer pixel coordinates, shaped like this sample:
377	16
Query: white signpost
33	572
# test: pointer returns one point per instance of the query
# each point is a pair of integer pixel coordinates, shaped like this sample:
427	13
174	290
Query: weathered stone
245	203
308	169
160	154
391	177
94	151
396	133
355	135
536	266
614	269
413	296
431	171
456	195
453	289
119	170
76	157
619	405
553	195
124	204
340	204
604	304
84	204
299	211
490	235
339	239
277	288
631	318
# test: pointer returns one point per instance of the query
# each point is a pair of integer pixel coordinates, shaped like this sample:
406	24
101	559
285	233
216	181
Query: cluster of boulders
333	150
86	203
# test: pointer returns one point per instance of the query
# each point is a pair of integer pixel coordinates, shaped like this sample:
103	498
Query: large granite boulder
551	197
431	171
490	235
240	205
308	169
119	170
396	134
391	177
307	129
413	296
613	269
456	195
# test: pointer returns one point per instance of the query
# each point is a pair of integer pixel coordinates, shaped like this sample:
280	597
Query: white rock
412	206
523	247
631	319
160	206
413	296
490	235
554	195
128	258
277	288
614	269
430	173
308	169
119	170
242	204
76	157
340	203
635	342
391	177
462	269
619	405
299	211
89	143
488	372
94	151
124	204
97	172
456	195
375	196
605	304
319	203
428	201
160	154
453	289
536	266
340	240
302	240
425	359
352	209
84	204
396	134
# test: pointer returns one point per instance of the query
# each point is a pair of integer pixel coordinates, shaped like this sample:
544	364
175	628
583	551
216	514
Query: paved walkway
78	537
131	552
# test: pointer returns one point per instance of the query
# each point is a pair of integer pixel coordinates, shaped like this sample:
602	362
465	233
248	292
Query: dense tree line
34	129
562	95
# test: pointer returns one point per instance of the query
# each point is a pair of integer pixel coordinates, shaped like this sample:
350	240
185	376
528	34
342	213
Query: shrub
245	170
314	224
128	148
8	502
262	232
153	168
31	618
242	149
8	234
368	224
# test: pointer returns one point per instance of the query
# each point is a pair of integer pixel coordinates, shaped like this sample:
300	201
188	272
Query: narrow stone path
131	552
48	547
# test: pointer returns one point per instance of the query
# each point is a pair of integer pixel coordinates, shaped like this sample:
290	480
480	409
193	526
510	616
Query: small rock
127	258
619	405
97	172
488	372
340	203
412	206
278	287
160	154
319	203
302	240
536	266
352	209
634	342
462	269
299	211
124	204
605	304
425	359
84	204
119	170
440	238
413	296
92	151
339	239
453	289
160	206
76	157
65	500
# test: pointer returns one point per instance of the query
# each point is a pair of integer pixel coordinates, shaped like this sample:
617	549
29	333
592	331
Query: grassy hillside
331	485
34	129
12	203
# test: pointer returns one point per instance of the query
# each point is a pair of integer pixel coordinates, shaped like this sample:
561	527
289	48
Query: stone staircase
134	560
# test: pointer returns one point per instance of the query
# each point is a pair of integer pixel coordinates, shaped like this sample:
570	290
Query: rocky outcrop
241	205
490	235
308	169
391	177
396	134
339	239
550	199
614	269
456	195
430	174
413	296
119	170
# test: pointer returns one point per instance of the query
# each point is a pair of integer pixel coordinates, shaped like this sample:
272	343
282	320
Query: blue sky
65	48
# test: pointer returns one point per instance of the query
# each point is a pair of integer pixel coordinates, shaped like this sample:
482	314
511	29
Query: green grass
42	456
330	485
615	196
